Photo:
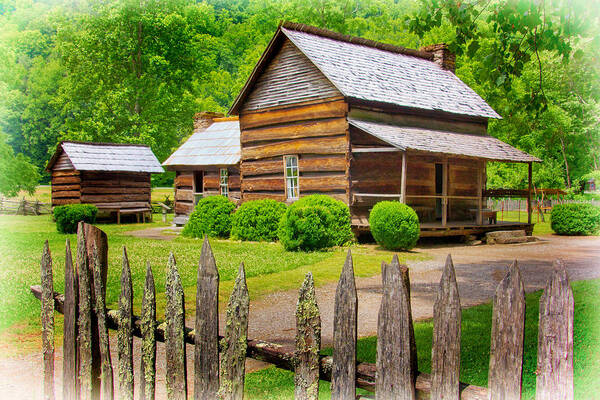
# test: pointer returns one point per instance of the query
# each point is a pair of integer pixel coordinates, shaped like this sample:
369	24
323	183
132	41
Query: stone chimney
442	56
203	120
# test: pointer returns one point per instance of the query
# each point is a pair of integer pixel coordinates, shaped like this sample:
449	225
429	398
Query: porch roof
443	142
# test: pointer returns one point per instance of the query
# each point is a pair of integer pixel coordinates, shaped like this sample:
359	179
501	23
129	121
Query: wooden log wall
316	133
66	187
462	181
184	187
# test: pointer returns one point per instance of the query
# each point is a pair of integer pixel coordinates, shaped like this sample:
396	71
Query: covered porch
441	175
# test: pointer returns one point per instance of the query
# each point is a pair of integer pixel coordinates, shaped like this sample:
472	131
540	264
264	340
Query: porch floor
454	228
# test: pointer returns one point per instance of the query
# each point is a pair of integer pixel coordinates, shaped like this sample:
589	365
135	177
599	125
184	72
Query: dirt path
478	270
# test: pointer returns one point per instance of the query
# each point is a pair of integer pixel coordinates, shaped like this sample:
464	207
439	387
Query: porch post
530	176
480	195
444	192
403	181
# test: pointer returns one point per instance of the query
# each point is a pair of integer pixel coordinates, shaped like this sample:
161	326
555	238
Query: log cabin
207	163
114	177
364	121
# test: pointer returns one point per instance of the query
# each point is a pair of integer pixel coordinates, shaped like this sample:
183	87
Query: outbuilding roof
452	143
368	71
114	157
217	145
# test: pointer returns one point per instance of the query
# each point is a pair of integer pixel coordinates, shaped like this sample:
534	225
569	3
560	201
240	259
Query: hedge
257	220
211	216
394	226
68	216
575	219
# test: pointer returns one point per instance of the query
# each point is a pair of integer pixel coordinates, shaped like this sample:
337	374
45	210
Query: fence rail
395	375
24	207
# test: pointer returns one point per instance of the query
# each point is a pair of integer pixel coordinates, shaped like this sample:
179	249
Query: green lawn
540	228
42	193
269	267
273	383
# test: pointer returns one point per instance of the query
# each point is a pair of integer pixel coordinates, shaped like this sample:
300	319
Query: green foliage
576	219
306	228
16	172
211	216
394	225
68	216
340	230
257	220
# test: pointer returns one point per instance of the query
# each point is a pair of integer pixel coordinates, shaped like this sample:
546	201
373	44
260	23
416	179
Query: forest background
137	71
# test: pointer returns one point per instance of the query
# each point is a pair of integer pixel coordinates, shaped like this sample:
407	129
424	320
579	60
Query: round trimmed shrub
340	228
68	216
211	216
575	219
257	220
306	228
395	226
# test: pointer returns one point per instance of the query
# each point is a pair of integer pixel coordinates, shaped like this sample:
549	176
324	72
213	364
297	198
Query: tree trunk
562	145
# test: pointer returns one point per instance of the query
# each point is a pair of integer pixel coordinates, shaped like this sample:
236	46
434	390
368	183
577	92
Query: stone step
512	240
505	234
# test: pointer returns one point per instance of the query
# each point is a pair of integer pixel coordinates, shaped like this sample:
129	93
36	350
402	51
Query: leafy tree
16	172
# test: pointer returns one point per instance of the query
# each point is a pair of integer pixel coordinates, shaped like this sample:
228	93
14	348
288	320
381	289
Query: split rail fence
219	361
24	207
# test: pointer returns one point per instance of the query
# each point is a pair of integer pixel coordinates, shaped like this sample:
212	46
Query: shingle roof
461	144
219	144
109	157
371	74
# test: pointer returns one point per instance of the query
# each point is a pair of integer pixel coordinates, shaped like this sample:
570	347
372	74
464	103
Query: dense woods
137	71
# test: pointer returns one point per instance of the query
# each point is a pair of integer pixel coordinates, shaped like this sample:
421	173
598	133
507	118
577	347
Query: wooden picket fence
219	361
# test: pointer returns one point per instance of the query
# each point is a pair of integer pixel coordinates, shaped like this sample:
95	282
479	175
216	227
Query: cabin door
439	190
198	186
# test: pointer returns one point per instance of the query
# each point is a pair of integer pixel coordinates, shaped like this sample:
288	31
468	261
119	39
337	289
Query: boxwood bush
257	220
211	216
68	216
576	219
395	226
315	222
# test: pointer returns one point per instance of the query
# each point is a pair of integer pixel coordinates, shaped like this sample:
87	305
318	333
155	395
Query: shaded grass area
272	383
269	268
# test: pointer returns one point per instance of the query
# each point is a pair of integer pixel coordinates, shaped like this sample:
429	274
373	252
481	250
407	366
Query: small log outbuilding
114	177
207	163
364	121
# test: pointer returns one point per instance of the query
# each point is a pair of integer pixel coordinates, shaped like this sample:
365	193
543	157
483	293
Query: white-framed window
292	189
224	181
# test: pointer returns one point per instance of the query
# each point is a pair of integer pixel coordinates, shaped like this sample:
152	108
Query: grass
42	193
540	228
269	268
272	383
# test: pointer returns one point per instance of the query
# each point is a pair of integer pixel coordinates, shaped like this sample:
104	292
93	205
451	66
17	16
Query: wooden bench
487	214
142	209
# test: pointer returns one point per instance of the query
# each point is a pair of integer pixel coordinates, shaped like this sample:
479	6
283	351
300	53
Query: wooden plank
308	342
65	180
360	150
211	182
206	350
234	182
403	179
110	198
147	332
114	183
555	338
508	325
262	195
66	187
176	374
395	377
183	208
124	205
70	359
114	190
70	194
184	195
125	332
328	145
61	202
47	316
326	127
334	109
64	173
257	184
106	375
184	180
84	328
530	186
445	351
120	175
324	183
343	374
233	356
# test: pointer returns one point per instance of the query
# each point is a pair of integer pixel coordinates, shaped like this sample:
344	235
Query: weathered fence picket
175	334
70	359
508	328
147	329
125	332
308	342
234	344
395	378
555	338
445	350
47	322
343	374
206	350
394	375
